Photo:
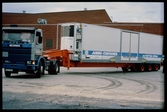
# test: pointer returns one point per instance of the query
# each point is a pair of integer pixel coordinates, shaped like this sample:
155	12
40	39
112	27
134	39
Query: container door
134	46
129	46
125	46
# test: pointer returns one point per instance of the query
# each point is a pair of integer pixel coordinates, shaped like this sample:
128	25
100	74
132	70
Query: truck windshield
18	36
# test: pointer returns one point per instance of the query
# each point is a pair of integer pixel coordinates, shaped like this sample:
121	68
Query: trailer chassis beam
60	55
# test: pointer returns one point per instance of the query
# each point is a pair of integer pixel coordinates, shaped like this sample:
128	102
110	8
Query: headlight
31	62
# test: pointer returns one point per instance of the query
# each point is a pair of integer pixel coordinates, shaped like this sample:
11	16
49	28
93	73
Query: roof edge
54	12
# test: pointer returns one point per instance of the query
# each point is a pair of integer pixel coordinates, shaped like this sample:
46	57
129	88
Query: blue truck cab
22	50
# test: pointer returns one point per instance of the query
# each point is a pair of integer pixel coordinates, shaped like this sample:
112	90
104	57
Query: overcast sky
118	11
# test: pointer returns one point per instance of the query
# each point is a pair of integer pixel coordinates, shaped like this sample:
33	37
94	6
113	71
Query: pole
57	37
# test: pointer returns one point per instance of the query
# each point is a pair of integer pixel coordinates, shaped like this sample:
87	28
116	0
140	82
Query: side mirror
38	34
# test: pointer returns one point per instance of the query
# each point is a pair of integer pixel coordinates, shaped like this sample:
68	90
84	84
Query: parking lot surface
84	88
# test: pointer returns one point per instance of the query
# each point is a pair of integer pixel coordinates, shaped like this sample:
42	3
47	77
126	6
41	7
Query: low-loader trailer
82	45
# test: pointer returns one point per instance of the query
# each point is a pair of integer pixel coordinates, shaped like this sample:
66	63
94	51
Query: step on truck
81	45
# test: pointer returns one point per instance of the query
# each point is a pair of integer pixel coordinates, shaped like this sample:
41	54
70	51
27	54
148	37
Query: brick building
99	17
154	28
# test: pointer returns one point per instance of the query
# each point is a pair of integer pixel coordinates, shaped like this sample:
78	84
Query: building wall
99	17
89	16
49	31
154	28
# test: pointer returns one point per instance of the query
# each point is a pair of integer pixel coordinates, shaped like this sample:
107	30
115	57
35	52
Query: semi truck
22	50
82	45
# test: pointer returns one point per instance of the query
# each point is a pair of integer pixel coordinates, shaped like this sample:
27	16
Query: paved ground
84	88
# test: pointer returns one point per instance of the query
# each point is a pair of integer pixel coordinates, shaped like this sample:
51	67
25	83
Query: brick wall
154	28
89	16
49	31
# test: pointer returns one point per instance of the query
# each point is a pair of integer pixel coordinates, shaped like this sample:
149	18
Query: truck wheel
54	69
58	67
40	70
29	72
7	74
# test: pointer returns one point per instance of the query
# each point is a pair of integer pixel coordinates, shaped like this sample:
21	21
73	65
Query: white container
95	43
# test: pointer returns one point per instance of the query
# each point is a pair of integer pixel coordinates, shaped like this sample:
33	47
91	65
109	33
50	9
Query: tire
29	72
43	68
156	67
125	69
40	70
55	69
7	74
149	67
141	68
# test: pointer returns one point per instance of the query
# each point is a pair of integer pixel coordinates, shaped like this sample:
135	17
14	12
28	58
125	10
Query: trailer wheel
40	70
7	74
156	67
149	67
141	68
125	69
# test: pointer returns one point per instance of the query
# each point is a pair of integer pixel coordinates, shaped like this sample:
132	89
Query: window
68	31
48	43
18	35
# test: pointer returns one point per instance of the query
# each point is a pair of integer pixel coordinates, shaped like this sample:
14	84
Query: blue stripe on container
110	53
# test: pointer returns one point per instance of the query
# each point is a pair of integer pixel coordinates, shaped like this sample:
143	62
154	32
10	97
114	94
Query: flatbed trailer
87	45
